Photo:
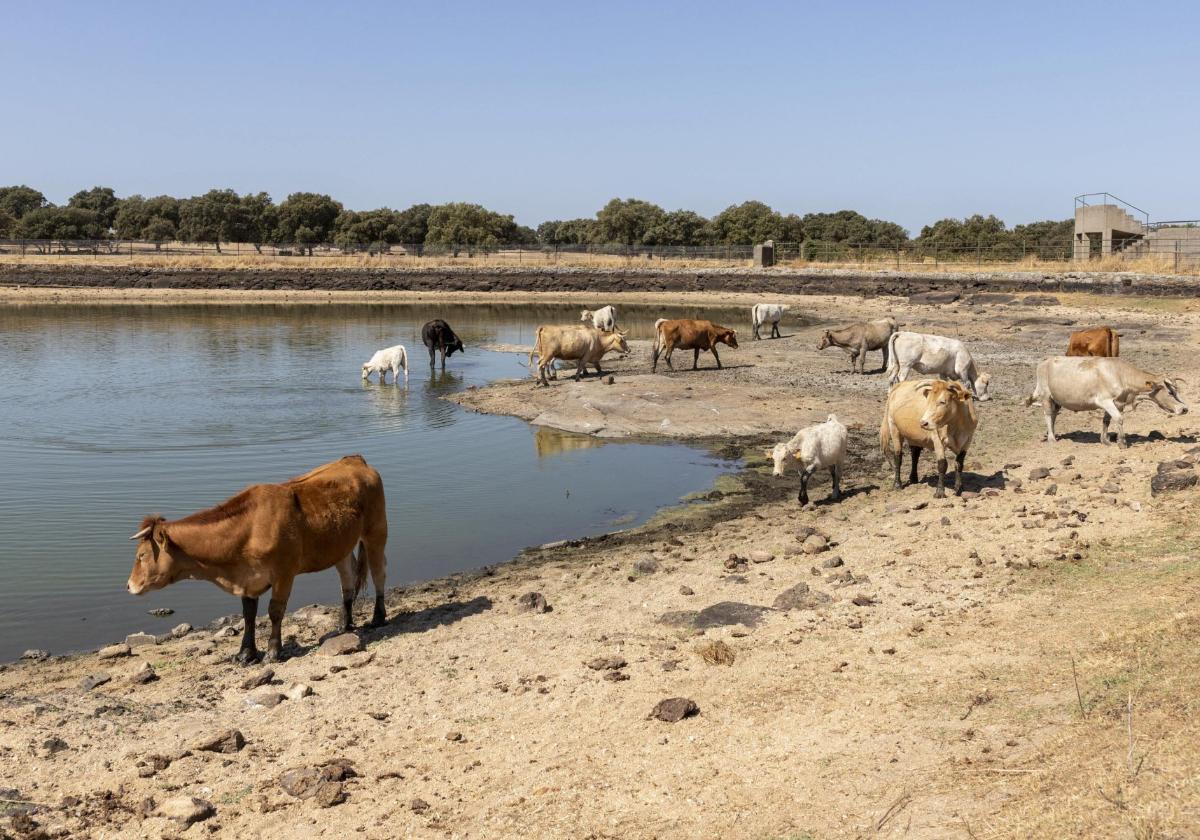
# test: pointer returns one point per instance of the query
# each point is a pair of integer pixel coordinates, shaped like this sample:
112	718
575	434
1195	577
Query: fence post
1176	256
897	257
978	255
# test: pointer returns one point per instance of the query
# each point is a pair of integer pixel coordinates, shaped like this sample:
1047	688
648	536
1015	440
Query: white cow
937	356
767	313
394	359
822	446
1080	383
604	318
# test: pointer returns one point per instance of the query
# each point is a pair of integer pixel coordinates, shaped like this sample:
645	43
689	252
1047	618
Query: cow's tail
893	368
360	569
1116	344
537	342
658	333
1038	393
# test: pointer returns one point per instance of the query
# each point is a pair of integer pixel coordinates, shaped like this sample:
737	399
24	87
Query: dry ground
1015	663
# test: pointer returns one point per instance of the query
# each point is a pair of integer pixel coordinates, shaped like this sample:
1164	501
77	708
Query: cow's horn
141	533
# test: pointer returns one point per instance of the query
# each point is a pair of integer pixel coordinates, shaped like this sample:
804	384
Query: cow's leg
248	654
914	453
378	565
1104	421
940	492
756	331
897	461
1119	421
346	576
958	472
835	476
805	475
669	352
432	353
280	592
442	348
695	358
715	356
885	355
1050	409
775	330
654	356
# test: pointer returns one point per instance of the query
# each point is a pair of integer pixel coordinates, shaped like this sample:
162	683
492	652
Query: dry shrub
716	653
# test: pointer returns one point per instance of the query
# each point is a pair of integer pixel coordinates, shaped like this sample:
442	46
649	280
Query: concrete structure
764	254
1104	229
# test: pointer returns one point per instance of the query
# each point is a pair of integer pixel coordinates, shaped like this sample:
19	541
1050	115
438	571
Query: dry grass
242	260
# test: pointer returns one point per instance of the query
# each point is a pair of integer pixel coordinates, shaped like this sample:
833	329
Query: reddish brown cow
1097	341
690	334
266	535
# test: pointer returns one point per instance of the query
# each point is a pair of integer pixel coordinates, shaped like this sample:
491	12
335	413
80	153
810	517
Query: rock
186	810
1068	461
686	590
726	613
329	794
606	663
224	633
716	653
864	601
161	612
36	655
761	556
1038	473
454	736
733	563
180	630
831	562
674	709
615	676
265	697
140	639
1113	489
533	602
645	566
114	651
144	674
418	806
1172	481
1052	490
933	297
54	745
800	597
815	544
225	741
302	782
944	521
262	677
1040	300
94	681
297	691
610	379
340	645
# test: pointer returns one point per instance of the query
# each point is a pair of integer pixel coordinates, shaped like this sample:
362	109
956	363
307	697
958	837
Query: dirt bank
594	280
1019	662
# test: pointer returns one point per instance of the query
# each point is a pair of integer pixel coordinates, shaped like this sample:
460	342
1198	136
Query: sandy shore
1020	662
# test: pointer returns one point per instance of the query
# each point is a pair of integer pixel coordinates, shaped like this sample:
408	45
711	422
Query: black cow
437	335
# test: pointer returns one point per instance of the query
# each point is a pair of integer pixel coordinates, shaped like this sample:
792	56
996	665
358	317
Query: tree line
305	219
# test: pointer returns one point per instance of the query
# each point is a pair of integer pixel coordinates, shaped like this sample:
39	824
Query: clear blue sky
905	111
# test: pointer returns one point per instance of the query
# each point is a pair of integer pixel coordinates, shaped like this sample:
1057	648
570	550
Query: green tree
19	200
848	226
135	213
65	223
314	212
679	227
159	230
7	222
752	222
212	217
627	221
471	226
255	220
374	229
100	200
1048	240
569	232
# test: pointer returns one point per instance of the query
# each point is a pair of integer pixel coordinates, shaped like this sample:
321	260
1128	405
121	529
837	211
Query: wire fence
1167	250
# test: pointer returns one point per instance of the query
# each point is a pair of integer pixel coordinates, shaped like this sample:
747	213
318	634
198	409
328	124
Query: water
109	413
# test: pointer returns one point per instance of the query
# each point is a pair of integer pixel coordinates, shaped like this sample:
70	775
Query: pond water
109	413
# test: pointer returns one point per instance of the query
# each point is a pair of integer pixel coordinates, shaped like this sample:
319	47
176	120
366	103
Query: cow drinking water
266	535
439	338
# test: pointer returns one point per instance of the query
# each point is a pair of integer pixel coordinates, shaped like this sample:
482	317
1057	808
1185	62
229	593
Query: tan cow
928	414
690	334
266	535
1097	341
577	343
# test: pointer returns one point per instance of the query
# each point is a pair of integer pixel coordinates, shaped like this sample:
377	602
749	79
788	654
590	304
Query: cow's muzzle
132	588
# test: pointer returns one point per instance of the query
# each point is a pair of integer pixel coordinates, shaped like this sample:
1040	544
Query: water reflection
549	442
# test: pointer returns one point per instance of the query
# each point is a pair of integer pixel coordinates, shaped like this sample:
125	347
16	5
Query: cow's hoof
939	494
376	623
273	656
246	656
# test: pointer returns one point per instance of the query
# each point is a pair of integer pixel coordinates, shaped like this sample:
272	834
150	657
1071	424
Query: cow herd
334	516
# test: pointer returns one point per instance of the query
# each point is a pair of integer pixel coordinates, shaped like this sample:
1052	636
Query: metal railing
1082	201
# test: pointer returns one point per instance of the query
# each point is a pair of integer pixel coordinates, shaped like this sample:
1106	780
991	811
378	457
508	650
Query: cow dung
674	709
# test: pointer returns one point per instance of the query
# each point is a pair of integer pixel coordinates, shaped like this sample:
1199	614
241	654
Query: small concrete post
764	254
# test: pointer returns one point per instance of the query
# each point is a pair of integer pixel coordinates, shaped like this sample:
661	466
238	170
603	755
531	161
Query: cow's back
333	506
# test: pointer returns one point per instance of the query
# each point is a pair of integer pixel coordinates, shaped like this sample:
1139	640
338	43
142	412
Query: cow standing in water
438	337
266	535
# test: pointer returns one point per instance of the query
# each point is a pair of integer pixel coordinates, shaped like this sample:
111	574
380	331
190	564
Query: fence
1179	251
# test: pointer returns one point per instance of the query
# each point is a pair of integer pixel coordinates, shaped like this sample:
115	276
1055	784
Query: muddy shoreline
595	280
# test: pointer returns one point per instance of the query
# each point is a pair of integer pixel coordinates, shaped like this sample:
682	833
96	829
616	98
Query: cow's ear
1151	385
160	535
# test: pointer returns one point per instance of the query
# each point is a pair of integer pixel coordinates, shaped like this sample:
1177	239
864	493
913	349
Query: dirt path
957	668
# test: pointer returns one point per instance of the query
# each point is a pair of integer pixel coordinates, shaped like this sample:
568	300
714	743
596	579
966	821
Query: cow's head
456	347
1165	394
784	459
153	565
826	340
941	400
726	336
614	341
366	370
585	315
981	387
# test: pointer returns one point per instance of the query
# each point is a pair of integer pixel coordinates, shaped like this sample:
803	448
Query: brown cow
928	414
857	339
266	535
690	334
1097	341
584	345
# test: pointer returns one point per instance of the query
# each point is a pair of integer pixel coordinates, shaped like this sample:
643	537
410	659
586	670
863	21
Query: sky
904	111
